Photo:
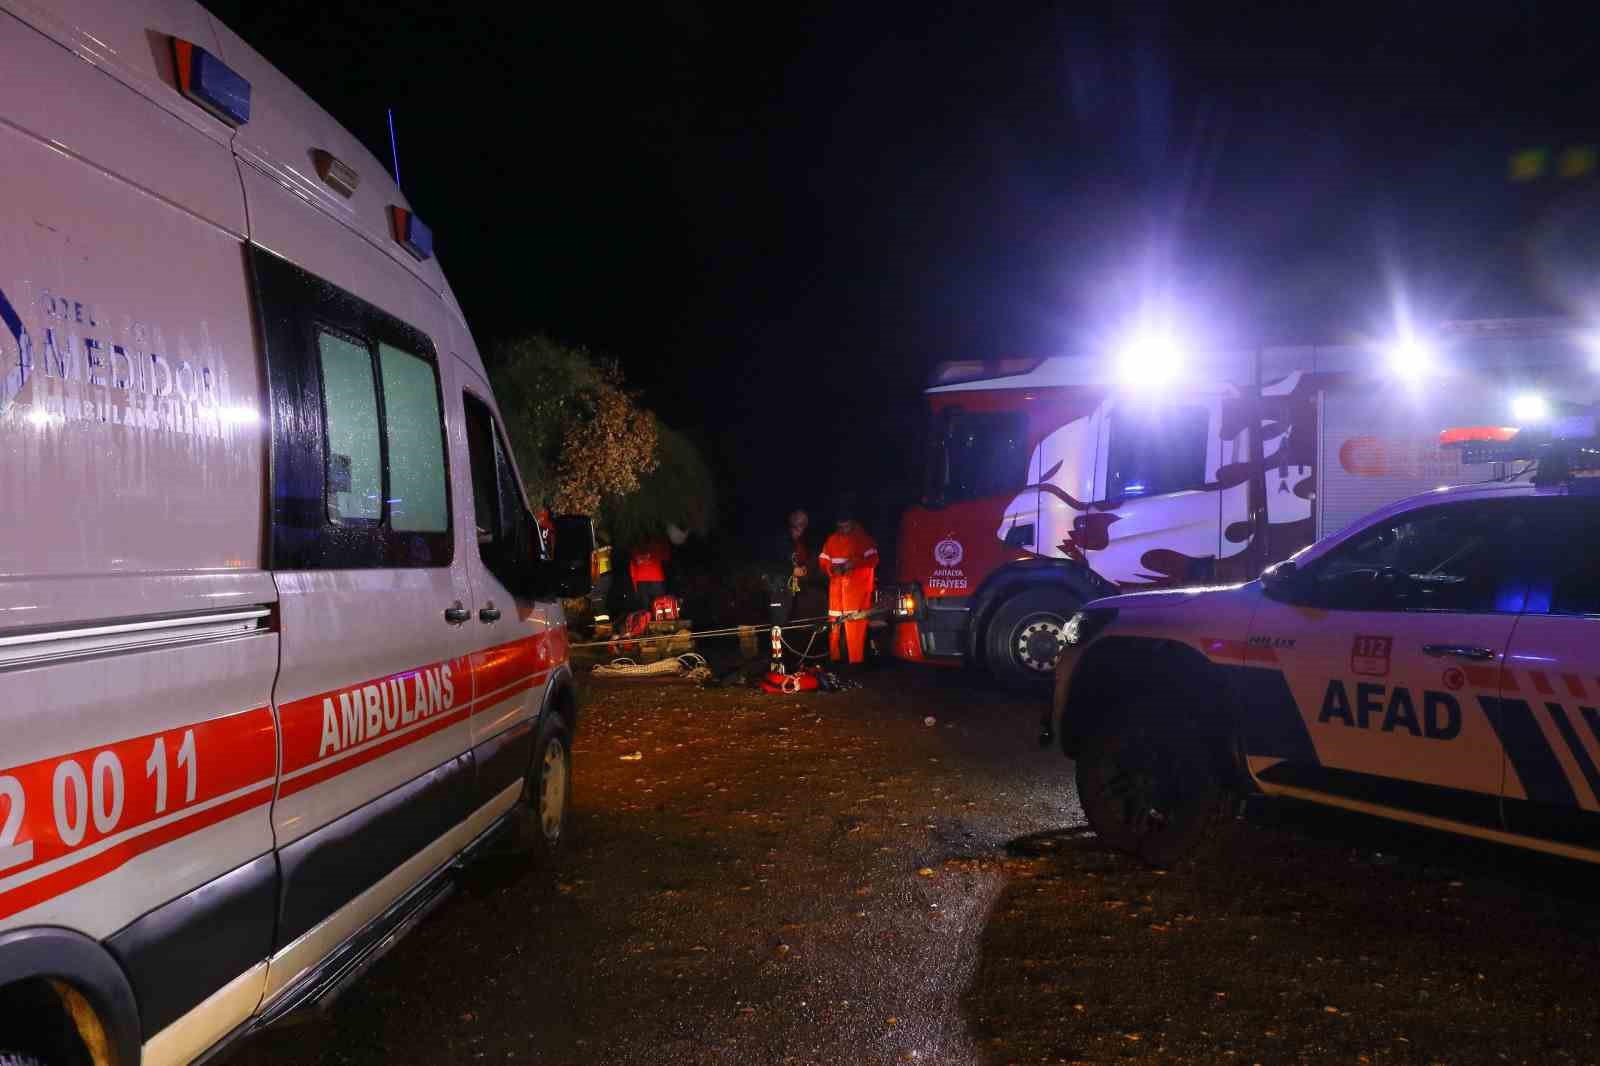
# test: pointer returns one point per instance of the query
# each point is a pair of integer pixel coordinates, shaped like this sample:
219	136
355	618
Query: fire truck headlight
1530	409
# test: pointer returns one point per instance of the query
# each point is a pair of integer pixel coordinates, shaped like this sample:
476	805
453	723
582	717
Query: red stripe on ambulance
71	818
332	732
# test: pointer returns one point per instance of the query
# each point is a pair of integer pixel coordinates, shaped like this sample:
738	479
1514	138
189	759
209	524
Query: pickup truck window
1470	556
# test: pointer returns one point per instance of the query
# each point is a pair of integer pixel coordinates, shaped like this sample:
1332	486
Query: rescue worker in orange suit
850	559
647	567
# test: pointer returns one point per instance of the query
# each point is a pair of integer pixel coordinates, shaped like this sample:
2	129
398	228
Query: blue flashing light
211	83
412	233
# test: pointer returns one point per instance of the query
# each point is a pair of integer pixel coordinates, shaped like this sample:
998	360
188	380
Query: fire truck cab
1052	482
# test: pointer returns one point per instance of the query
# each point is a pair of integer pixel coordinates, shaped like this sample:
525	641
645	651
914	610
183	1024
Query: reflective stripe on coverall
850	591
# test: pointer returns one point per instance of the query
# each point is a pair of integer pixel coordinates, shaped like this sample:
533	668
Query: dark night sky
779	219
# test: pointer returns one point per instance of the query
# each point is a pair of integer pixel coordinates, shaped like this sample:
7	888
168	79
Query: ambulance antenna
394	150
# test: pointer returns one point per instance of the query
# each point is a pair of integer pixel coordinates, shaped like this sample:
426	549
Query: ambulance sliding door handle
1458	651
455	614
490	613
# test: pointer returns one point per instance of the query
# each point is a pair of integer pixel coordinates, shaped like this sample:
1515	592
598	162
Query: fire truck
1051	482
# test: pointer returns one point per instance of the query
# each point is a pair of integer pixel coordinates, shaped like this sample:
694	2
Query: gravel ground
831	879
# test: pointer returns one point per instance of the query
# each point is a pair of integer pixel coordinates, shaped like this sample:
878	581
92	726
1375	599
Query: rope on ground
804	655
689	665
819	622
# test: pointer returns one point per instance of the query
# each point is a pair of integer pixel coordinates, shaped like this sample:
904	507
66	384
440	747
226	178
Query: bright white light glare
1530	408
1411	357
39	417
1150	358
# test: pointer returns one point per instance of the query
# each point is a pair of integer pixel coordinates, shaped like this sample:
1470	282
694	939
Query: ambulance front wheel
1025	637
542	814
1148	785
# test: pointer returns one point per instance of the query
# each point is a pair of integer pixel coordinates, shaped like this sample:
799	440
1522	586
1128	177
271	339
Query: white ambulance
1437	663
279	636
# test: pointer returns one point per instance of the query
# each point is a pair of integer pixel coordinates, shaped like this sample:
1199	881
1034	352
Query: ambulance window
982	455
414	433
486	504
1156	450
350	413
507	537
358	468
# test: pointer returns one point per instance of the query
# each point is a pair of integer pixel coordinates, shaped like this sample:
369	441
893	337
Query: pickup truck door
1384	669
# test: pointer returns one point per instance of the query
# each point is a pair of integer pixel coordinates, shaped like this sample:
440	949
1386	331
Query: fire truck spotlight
1530	408
1411	357
1150	358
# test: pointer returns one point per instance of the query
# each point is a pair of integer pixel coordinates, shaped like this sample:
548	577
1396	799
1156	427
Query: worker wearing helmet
850	559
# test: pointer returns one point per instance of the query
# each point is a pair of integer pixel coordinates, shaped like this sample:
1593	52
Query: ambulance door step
316	992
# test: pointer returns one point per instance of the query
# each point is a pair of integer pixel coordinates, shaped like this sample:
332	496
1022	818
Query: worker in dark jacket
790	564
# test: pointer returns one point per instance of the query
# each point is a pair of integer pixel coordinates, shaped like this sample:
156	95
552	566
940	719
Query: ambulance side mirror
568	570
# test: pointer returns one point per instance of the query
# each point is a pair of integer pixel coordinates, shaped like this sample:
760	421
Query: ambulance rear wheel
1148	786
1025	637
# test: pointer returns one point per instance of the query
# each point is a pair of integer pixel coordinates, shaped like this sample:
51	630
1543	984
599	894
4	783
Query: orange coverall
849	590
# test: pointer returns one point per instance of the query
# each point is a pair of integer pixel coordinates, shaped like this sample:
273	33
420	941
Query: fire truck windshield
977	455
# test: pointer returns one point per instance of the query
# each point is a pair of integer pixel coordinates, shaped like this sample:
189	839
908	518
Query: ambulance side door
1385	660
373	690
515	639
1550	702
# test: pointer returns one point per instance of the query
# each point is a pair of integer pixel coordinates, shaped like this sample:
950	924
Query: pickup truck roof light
1566	450
211	83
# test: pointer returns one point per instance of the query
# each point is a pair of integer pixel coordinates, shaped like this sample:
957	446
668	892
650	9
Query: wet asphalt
834	878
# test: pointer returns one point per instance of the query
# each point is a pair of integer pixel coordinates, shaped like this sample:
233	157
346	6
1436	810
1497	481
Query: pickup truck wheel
1148	786
548	795
1024	637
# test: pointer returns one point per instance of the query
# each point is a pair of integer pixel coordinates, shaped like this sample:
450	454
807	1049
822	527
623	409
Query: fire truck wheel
1024	637
542	814
1148	786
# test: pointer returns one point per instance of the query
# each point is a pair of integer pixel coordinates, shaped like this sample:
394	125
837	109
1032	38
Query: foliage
681	490
585	445
578	433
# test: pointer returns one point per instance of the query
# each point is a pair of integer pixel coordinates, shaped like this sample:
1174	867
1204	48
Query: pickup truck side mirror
1285	582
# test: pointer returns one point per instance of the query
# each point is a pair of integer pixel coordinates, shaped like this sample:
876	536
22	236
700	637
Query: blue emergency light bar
411	233
211	83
